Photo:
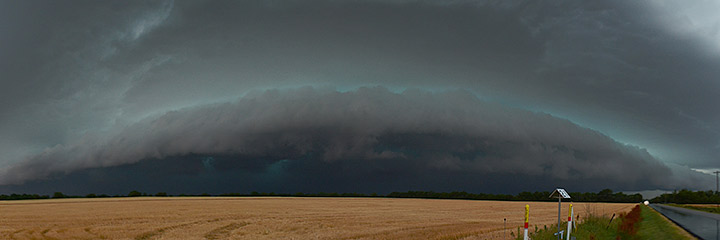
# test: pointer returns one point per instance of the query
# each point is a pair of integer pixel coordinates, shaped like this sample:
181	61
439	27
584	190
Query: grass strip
591	227
649	225
710	209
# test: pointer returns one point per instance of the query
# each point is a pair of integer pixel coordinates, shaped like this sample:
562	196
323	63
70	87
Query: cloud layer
77	77
379	132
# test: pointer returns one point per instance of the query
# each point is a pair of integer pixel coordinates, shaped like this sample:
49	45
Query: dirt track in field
276	218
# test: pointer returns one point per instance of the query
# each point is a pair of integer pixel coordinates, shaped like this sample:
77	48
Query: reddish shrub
629	221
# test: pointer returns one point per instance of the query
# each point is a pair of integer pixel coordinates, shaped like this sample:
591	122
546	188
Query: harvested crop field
275	218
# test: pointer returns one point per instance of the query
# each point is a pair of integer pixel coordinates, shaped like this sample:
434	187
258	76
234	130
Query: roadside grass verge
710	209
591	227
639	224
656	226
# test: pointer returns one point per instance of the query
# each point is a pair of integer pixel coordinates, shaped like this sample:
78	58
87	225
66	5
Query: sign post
559	193
570	221
527	215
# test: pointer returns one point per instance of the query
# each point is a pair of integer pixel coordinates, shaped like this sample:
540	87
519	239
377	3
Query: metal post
716	181
504	228
716	187
559	207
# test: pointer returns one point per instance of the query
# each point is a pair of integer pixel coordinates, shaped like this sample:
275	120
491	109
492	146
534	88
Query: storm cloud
399	134
565	90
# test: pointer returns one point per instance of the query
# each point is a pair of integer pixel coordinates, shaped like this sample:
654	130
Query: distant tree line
22	196
686	196
605	195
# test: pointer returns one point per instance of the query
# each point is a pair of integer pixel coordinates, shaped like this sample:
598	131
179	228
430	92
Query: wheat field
276	218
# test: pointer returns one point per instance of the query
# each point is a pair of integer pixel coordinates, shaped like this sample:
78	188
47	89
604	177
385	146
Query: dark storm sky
358	96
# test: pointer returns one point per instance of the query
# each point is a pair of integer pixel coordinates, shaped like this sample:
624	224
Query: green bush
58	195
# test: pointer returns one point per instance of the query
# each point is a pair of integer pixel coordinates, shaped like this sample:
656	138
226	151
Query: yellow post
570	213
527	217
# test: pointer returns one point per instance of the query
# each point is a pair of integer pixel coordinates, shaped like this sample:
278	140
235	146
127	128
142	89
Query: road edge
676	224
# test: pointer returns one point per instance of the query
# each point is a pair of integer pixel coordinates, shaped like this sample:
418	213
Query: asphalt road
703	225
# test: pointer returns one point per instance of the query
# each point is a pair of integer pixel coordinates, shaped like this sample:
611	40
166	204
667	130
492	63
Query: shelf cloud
413	133
470	94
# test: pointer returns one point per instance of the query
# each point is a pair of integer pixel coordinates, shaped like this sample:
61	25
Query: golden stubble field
275	218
